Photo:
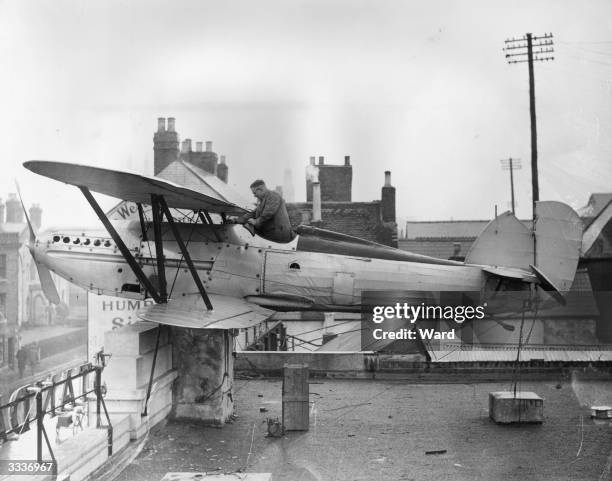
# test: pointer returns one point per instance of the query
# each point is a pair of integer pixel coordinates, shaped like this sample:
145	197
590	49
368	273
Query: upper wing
133	187
228	313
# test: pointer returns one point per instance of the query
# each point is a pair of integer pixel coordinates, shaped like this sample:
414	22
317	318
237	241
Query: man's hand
251	222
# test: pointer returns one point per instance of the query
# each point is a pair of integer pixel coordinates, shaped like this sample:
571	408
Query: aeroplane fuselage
314	271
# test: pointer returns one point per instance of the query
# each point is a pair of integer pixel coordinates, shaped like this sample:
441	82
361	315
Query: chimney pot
186	145
387	178
208	146
161	124
321	160
347	160
312	160
223	159
171	124
198	146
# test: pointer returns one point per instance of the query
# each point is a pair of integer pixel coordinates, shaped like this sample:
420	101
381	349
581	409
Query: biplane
209	273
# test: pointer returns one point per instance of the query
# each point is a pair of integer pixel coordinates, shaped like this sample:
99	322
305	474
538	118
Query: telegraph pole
518	48
511	165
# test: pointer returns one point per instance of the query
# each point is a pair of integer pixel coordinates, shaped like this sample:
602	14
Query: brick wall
336	183
359	219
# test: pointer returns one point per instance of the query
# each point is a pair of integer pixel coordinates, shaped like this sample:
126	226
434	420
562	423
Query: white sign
105	313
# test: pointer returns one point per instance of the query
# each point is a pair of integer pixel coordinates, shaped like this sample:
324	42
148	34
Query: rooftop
375	430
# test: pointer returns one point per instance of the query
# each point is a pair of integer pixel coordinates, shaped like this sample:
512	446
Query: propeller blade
32	233
44	274
46	281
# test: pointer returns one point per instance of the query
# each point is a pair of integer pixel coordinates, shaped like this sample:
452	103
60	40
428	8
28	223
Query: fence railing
32	403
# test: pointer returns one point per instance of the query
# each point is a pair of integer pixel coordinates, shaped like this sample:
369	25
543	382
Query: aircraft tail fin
558	240
550	252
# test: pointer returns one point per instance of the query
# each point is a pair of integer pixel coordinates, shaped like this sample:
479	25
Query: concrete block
130	403
525	407
133	372
137	338
203	390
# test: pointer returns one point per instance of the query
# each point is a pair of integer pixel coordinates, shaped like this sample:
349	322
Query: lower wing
228	313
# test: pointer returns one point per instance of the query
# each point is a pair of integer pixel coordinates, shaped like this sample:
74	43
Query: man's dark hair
257	183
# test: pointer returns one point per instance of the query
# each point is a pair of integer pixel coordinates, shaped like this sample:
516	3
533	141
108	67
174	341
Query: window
2	266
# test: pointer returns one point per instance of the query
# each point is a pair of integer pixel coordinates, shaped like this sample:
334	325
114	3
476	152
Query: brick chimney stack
388	199
336	181
222	170
14	213
36	216
165	145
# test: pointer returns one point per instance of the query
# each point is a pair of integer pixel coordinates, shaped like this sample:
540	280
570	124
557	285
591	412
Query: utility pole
511	165
517	49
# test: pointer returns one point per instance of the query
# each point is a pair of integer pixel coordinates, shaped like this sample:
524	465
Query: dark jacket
271	218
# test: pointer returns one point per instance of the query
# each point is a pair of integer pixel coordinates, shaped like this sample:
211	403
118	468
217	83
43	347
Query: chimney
186	146
347	160
166	147
316	202
14	214
388	199
222	169
321	160
36	216
312	160
1	212
198	146
208	146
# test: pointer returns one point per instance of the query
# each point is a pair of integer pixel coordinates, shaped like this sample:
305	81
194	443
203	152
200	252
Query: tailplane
547	255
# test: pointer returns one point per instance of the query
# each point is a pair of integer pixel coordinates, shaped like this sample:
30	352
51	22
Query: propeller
44	274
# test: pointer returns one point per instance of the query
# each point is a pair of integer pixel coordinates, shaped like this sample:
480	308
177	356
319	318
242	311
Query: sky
422	89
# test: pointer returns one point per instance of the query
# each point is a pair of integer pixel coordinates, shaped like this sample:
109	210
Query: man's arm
243	219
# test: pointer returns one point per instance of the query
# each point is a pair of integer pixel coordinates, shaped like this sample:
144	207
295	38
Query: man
270	217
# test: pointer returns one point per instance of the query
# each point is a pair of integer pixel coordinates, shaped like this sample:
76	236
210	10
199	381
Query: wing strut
206	219
159	246
143	226
185	252
127	255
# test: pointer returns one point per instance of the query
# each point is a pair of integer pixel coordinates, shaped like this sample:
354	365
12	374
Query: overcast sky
419	88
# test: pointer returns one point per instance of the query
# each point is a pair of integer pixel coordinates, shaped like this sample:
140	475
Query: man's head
259	189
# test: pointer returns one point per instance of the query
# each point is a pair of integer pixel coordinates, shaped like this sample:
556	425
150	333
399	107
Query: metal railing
32	403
